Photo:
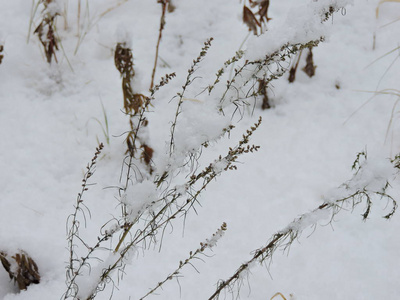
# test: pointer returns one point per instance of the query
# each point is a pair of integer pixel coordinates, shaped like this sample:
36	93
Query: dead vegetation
134	105
21	268
255	15
46	31
1	53
309	68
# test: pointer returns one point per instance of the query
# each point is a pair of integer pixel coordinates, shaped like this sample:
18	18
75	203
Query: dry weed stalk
281	295
77	263
164	5
329	209
209	243
174	203
180	95
171	197
86	23
269	68
251	71
46	31
293	69
21	268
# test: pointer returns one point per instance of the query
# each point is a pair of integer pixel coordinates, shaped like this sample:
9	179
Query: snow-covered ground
51	120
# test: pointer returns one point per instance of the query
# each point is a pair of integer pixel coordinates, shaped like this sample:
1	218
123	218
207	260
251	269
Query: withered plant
140	226
263	91
46	31
165	6
256	16
153	197
134	105
309	68
244	85
293	69
267	69
21	268
355	195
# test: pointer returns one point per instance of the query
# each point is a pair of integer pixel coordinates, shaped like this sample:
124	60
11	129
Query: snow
139	198
309	141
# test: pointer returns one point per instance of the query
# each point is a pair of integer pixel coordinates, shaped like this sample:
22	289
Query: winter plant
370	182
160	194
46	30
157	189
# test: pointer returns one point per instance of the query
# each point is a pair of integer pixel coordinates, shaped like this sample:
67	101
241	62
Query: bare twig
164	4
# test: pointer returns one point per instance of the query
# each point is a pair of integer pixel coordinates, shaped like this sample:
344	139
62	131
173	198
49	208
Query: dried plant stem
34	9
141	118
180	95
261	68
78	19
112	8
162	25
192	255
74	224
288	235
171	209
46	30
293	70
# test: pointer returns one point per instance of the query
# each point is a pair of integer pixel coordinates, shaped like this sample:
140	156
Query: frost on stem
76	263
161	208
370	181
208	244
180	95
268	56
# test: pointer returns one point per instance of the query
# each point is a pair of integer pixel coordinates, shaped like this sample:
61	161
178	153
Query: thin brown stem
162	25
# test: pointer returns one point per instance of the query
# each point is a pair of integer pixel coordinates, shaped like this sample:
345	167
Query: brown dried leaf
147	154
27	271
250	20
263	11
47	37
263	90
309	69
6	264
171	7
123	60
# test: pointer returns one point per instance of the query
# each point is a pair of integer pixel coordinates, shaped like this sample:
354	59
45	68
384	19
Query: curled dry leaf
250	20
263	11
309	69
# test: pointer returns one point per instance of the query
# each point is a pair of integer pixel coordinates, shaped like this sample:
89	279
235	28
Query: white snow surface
51	120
